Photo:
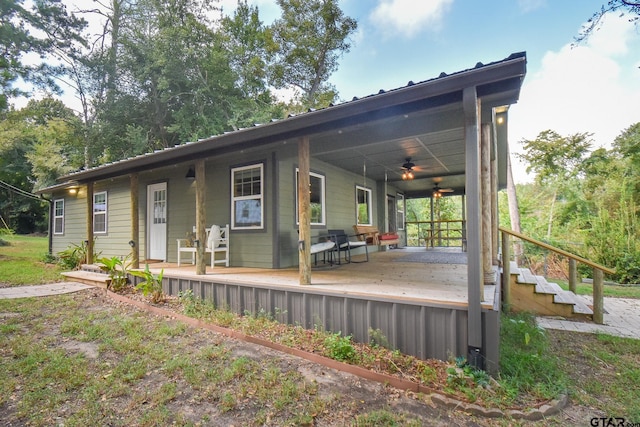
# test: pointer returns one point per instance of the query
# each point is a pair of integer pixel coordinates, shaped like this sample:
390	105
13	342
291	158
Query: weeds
152	284
339	348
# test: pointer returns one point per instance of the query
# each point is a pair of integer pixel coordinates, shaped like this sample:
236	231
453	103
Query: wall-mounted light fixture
191	174
73	191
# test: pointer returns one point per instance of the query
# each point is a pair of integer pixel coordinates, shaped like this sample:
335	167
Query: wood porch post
135	222
495	235
90	248
471	106
201	217
485	176
304	212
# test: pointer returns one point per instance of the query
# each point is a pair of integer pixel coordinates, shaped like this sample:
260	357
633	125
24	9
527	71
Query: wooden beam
201	217
598	296
506	272
135	221
471	106
495	235
304	212
90	248
485	185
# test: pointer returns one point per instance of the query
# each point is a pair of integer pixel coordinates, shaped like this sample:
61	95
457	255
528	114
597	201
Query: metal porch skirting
424	329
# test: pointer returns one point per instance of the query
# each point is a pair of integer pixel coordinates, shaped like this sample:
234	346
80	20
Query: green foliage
118	270
339	348
525	362
152	284
75	255
306	43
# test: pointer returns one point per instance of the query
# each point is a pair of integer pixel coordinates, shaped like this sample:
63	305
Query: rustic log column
304	212
475	294
135	221
485	177
201	217
495	235
90	248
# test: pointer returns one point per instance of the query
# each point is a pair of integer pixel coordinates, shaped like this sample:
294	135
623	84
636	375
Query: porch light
191	174
407	174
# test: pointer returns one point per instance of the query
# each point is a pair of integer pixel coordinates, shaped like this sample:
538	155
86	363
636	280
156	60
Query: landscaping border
544	410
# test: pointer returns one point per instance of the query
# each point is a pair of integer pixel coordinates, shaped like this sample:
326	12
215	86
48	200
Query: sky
593	87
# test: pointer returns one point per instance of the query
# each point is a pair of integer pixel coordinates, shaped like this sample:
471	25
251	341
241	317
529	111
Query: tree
306	43
42	30
623	7
556	160
37	144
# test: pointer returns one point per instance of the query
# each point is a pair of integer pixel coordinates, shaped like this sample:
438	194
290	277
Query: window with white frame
400	211
247	207
58	216
316	197
363	206
100	212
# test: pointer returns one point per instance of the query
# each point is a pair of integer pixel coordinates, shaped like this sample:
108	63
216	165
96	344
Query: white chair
217	242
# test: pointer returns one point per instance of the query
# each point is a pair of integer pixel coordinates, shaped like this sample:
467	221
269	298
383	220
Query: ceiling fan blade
446	190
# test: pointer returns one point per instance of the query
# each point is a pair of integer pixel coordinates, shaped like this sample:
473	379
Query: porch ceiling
434	140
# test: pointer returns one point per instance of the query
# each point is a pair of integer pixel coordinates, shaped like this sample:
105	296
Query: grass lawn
22	262
83	359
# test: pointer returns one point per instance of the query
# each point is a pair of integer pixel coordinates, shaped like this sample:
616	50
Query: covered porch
432	275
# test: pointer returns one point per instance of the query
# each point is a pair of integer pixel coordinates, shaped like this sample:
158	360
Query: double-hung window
316	197
100	212
363	206
58	216
247	204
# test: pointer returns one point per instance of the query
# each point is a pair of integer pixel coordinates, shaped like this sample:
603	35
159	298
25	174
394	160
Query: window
400	211
363	205
58	216
247	197
317	198
100	212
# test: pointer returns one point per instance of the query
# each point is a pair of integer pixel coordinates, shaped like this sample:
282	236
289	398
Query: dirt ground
357	395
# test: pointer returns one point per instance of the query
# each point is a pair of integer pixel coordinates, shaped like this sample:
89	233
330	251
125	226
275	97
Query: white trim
102	212
56	217
248	210
323	197
369	205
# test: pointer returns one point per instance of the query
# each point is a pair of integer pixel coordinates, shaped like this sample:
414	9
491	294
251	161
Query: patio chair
343	243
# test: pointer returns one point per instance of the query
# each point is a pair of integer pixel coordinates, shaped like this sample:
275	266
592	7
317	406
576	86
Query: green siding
248	248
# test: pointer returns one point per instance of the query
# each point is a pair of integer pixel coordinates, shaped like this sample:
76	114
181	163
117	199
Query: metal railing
439	233
598	271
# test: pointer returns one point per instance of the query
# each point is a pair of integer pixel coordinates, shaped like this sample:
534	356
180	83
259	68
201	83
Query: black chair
344	244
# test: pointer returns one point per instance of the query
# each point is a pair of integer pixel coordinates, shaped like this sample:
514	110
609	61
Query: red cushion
388	236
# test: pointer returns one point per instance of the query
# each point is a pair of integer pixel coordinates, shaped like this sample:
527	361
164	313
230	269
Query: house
280	184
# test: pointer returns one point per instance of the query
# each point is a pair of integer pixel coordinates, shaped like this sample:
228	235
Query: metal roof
423	121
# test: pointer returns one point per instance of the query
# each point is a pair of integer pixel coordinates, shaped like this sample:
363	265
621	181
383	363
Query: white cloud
409	17
592	88
531	5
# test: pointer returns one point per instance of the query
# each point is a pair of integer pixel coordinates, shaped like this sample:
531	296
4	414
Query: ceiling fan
437	191
408	166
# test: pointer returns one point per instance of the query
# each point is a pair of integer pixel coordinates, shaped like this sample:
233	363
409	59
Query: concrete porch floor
404	274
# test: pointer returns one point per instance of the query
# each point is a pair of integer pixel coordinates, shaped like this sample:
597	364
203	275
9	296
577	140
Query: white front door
157	221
